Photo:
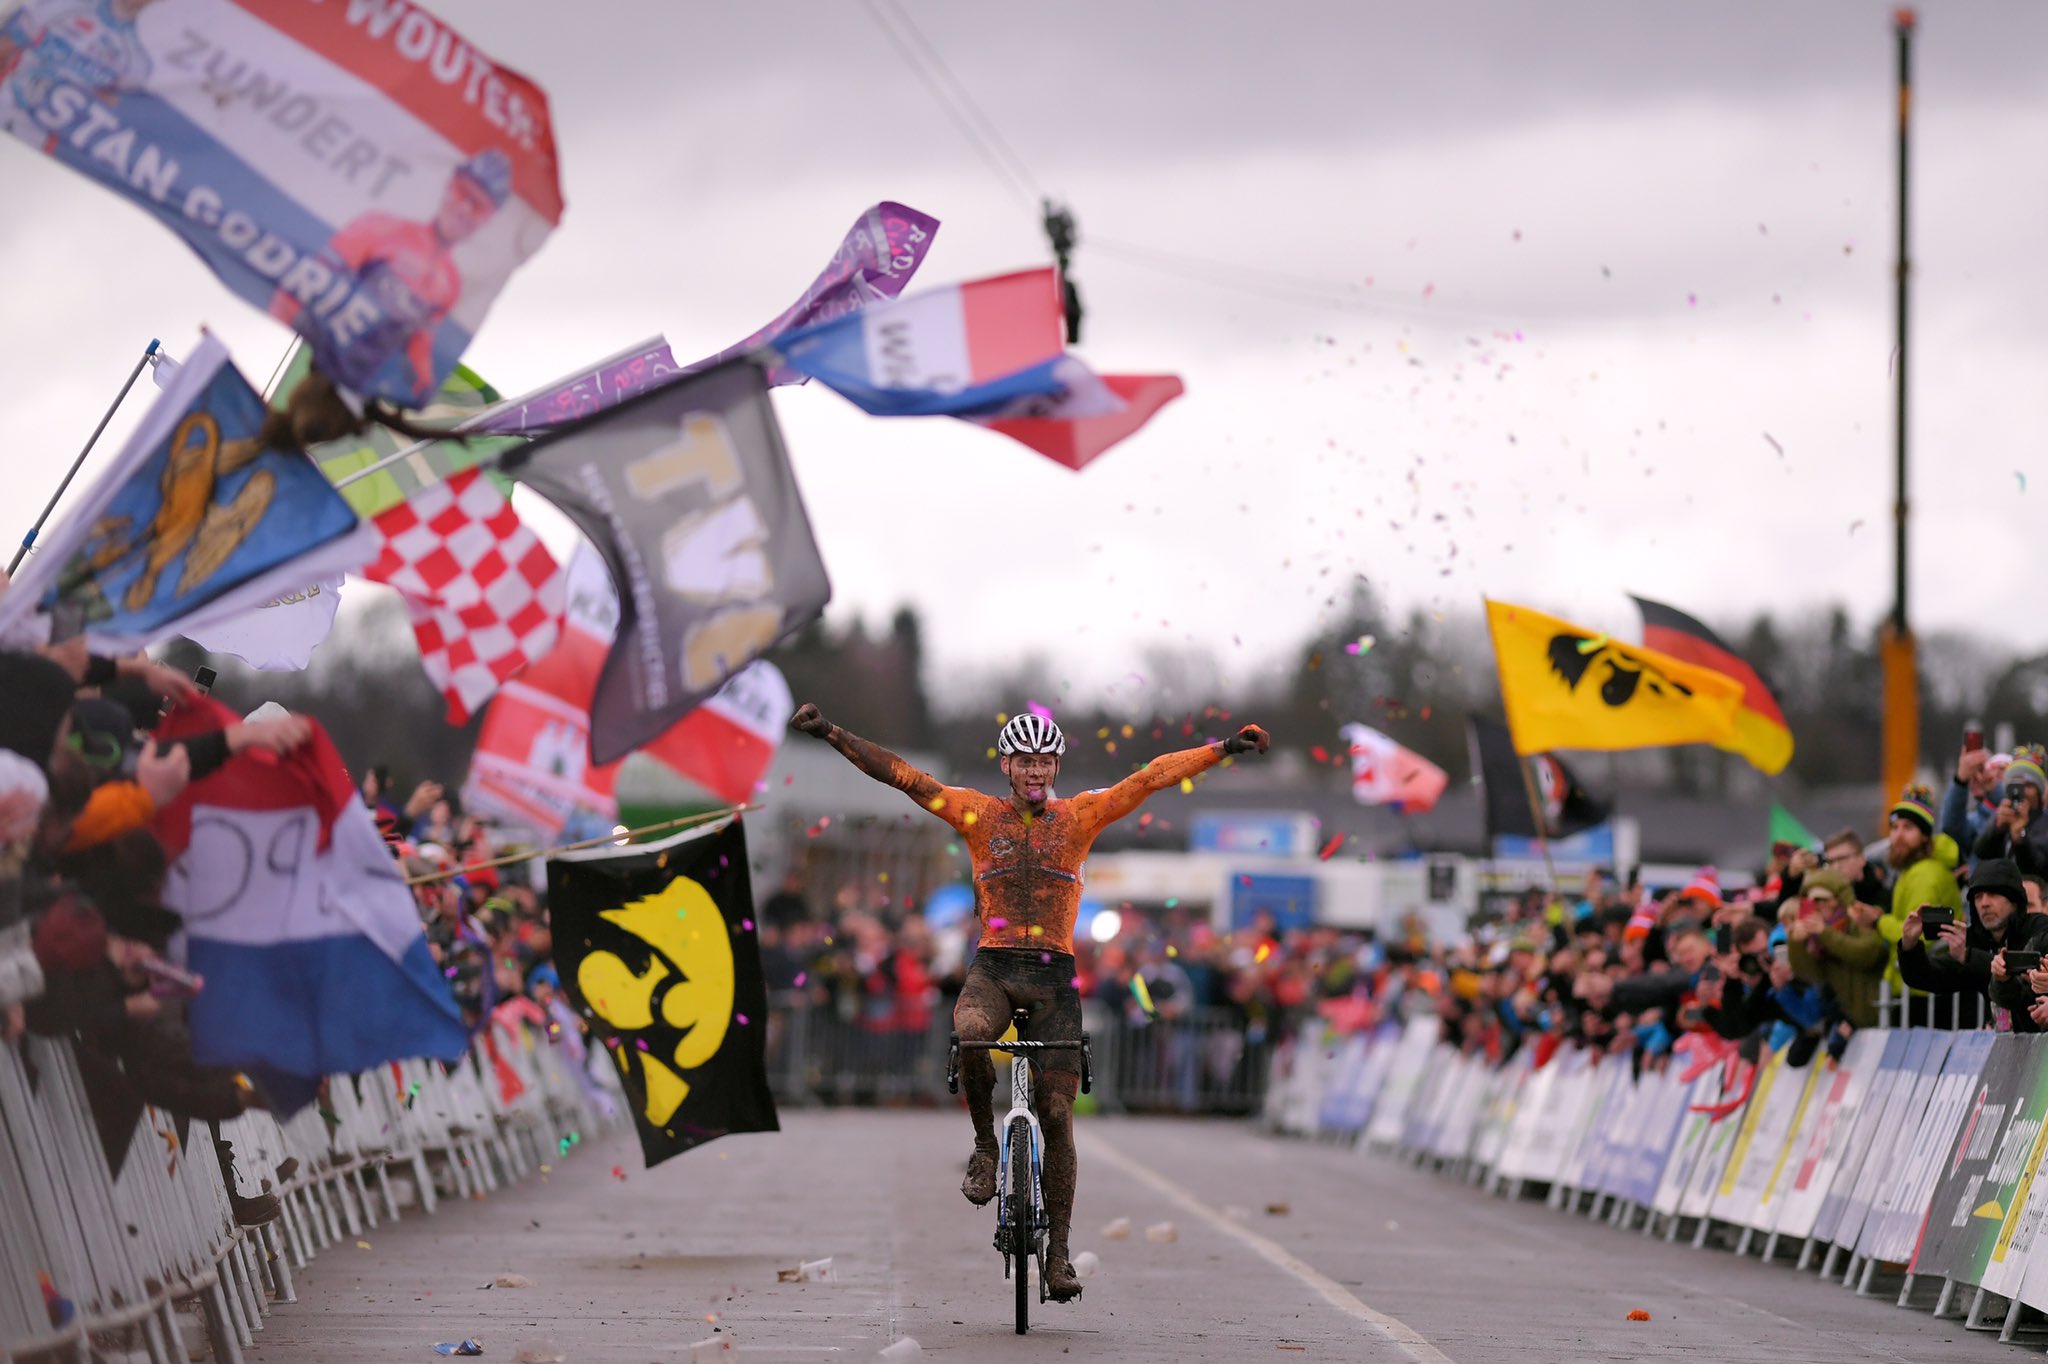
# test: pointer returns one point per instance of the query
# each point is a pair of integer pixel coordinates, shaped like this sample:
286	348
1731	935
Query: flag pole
471	425
680	821
1542	830
28	541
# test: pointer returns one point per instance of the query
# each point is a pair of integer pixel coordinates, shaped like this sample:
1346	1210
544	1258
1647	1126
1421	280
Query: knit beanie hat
2029	764
34	696
1833	882
1641	922
1705	886
1916	803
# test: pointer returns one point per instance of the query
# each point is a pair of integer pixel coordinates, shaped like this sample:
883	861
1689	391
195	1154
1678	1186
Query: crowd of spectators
85	938
1832	938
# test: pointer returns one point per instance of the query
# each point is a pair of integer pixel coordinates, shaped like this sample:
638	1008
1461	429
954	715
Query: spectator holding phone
2018	831
1942	956
1833	940
1971	799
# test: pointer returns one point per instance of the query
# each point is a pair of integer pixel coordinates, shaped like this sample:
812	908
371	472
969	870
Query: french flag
951	352
299	919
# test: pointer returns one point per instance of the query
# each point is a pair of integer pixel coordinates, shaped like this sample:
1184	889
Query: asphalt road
1363	1259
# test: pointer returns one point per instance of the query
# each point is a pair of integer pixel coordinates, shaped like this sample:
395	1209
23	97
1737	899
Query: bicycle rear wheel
1022	1234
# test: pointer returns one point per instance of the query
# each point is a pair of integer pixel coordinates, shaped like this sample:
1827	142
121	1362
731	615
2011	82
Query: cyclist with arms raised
1027	848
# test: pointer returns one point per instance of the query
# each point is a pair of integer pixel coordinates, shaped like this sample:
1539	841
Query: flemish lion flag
655	944
1761	734
1568	687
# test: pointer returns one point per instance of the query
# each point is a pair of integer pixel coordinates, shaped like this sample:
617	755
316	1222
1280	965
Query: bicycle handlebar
1079	1044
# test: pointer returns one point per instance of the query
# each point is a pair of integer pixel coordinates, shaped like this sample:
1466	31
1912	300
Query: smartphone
204	679
2019	963
171	982
1973	736
1724	937
67	621
1710	974
1934	917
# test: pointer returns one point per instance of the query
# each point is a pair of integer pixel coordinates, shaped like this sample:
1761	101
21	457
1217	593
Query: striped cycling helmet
1030	733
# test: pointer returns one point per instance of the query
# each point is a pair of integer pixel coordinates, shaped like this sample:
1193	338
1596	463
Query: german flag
1761	734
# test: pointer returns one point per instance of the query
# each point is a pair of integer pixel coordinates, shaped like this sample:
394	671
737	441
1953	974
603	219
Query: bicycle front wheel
1022	1234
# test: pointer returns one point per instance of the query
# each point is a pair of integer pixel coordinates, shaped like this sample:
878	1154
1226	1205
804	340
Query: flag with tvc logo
484	594
298	919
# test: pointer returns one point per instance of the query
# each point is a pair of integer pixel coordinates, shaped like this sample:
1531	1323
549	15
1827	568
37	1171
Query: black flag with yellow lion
656	946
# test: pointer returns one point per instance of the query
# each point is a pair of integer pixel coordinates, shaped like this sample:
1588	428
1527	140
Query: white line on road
1397	1332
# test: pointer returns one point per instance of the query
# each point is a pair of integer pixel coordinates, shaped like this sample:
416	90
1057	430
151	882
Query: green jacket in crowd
1930	881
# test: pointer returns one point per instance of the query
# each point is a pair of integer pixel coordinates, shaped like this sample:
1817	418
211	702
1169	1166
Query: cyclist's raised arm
884	766
1099	808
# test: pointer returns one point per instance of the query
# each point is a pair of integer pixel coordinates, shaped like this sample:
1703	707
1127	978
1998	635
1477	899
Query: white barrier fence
85	1255
1914	1155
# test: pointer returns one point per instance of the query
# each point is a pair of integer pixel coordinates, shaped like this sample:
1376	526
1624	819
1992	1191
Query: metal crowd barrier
822	1053
1912	1008
84	1254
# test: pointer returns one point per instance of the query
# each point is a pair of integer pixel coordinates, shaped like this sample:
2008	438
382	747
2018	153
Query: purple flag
605	384
882	250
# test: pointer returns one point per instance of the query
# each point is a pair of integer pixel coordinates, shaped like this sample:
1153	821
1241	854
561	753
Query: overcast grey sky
1553	302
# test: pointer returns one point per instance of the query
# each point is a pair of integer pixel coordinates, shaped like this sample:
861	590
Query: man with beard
1924	863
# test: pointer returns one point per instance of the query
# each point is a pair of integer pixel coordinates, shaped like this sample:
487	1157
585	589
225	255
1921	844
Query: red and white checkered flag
484	594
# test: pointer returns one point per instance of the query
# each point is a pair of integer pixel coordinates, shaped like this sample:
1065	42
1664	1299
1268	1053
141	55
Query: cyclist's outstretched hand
810	720
1250	737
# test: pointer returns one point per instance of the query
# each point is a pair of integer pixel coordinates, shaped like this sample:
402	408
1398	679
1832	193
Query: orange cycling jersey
1027	864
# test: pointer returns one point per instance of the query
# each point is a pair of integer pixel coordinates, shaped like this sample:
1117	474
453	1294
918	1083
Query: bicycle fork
1010	1239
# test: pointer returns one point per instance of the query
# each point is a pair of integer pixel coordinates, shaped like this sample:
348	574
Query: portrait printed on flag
360	171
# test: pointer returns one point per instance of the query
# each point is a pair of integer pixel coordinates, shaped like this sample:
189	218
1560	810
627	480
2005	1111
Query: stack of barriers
1907	1166
85	1255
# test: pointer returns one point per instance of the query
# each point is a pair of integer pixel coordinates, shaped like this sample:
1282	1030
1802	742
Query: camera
2016	792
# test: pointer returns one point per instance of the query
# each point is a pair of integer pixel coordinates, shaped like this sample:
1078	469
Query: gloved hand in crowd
1250	737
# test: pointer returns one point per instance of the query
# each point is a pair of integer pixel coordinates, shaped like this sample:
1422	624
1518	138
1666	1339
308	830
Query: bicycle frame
1020	1107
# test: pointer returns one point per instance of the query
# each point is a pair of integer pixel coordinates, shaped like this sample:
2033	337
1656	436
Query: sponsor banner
1896	1223
1410	1063
1897	1061
1822	1140
1751	1181
1982	1185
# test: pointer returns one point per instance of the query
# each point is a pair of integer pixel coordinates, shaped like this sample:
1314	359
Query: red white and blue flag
298	918
1094	413
966	349
354	167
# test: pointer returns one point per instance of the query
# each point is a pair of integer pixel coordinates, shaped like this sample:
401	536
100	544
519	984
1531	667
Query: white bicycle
1021	1223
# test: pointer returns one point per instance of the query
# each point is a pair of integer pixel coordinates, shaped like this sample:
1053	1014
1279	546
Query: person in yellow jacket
1925	865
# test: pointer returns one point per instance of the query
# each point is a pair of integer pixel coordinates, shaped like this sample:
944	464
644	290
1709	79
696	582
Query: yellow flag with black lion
656	946
1565	686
